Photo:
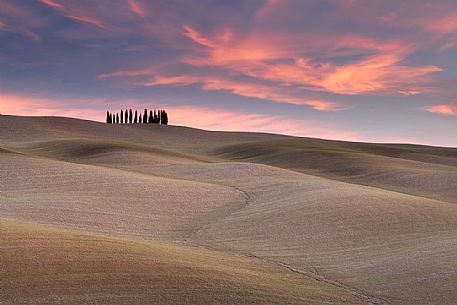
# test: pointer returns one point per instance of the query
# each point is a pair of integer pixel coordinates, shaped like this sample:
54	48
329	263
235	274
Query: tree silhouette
126	117
164	118
145	116
156	118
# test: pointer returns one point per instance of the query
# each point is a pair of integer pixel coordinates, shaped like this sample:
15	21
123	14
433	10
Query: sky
358	70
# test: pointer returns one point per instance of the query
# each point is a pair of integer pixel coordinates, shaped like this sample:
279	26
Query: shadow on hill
429	172
76	149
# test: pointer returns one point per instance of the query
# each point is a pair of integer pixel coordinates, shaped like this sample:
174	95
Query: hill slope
381	220
429	172
48	266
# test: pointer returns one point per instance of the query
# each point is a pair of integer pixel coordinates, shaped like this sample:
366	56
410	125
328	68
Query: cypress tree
122	116
135	121
117	118
107	117
131	117
126	119
159	113
165	118
151	117
140	119
155	117
145	116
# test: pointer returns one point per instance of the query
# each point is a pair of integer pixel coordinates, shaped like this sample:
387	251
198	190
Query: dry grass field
137	209
50	266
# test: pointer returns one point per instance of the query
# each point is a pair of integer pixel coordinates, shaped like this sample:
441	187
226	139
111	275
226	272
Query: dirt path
363	295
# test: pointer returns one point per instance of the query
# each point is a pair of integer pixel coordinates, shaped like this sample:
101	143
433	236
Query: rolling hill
321	221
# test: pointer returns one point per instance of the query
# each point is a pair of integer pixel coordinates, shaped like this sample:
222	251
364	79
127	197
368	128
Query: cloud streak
74	13
245	89
380	73
53	4
448	109
86	19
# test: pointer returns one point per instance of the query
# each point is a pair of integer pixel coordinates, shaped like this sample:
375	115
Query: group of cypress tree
128	117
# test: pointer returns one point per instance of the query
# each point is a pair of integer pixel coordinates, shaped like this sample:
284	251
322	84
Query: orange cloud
380	73
265	92
225	49
377	74
444	109
137	8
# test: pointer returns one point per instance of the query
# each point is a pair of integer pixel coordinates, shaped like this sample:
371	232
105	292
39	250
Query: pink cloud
151	70
38	106
226	49
86	19
197	37
216	119
74	13
52	3
19	20
266	92
380	73
445	25
449	108
137	8
32	35
9	9
268	8
289	63
280	74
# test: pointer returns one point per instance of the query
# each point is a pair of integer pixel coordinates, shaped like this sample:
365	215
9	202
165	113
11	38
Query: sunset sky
363	70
